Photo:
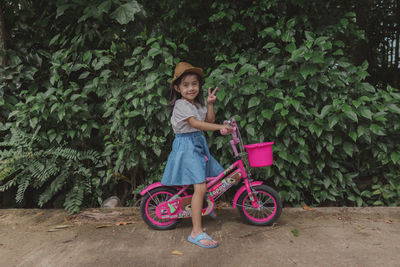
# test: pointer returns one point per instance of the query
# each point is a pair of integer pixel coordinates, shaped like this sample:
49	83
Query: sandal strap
203	236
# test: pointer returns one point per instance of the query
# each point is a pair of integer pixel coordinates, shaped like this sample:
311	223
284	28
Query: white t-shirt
183	110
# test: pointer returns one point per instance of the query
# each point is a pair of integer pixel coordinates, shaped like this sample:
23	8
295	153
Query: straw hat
184	67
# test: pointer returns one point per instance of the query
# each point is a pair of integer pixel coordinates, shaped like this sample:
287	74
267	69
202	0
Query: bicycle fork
251	192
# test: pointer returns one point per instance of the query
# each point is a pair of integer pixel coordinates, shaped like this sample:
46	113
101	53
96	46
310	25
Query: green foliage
85	89
132	144
333	133
50	172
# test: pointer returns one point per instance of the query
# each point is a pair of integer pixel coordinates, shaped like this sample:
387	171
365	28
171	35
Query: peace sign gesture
211	96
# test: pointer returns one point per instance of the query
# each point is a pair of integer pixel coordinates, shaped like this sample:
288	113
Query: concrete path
118	237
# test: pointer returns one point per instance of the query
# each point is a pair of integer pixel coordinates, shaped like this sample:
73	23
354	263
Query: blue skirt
187	162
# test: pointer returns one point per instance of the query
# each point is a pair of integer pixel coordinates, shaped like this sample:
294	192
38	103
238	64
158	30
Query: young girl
190	161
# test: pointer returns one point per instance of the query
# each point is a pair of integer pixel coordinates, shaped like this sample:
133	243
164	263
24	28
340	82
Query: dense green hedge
85	89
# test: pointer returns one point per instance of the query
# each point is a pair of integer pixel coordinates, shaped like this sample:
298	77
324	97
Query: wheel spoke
153	200
266	206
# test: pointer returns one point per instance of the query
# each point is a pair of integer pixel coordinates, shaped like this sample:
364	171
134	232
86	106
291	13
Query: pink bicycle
162	207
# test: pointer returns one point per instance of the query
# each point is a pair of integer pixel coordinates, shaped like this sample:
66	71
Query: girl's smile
189	87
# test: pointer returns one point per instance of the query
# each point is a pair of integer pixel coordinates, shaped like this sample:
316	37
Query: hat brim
198	71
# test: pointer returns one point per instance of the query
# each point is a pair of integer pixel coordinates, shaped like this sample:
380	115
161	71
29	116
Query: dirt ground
118	237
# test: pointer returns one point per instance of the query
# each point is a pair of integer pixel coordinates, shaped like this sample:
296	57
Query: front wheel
270	206
148	206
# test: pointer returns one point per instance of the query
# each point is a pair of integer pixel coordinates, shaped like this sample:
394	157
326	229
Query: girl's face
189	87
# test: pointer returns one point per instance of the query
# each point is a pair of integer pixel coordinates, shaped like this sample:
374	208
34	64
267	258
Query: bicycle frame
216	186
215	191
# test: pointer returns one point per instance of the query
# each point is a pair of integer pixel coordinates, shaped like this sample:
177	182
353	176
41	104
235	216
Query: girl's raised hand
211	96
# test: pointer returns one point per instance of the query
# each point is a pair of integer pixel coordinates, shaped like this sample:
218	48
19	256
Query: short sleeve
183	110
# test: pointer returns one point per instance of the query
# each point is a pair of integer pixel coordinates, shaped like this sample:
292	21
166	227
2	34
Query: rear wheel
270	206
148	206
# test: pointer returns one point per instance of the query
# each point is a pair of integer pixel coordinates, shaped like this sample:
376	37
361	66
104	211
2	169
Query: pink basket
260	155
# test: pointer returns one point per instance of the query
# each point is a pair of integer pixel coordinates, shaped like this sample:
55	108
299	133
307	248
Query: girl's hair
176	95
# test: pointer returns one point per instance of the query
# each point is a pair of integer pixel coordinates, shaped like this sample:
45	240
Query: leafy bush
85	89
333	133
50	172
138	136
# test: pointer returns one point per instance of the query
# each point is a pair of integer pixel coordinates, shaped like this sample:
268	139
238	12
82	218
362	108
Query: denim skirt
187	163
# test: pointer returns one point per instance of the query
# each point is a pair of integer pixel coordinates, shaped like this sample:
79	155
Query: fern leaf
7	185
54	188
22	187
74	199
90	155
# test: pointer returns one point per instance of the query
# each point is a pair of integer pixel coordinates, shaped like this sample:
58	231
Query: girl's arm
210	116
206	126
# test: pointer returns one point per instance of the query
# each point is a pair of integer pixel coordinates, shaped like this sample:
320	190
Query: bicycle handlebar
224	131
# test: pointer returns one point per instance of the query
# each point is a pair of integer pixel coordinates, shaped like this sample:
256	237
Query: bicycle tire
270	206
148	207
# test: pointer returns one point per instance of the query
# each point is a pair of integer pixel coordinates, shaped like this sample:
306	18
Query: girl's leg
197	205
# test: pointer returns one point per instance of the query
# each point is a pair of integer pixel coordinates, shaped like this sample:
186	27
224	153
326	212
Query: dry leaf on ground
305	207
54	230
103	226
58	228
176	252
122	223
62	226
